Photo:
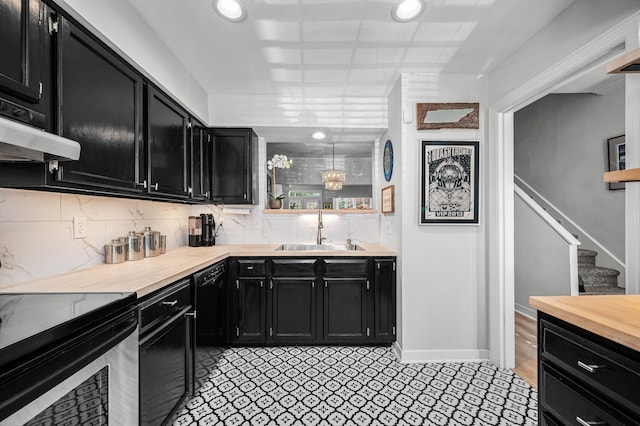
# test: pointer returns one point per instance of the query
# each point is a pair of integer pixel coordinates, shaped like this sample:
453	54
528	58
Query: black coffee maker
208	230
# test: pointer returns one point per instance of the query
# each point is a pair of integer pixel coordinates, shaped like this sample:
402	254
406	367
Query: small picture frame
327	205
617	158
388	199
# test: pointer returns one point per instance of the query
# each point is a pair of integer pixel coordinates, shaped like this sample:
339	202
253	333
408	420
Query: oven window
87	404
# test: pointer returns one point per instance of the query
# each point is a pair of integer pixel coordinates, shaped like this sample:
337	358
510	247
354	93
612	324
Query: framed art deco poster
449	182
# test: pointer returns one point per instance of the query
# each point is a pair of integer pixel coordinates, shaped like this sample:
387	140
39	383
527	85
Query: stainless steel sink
303	247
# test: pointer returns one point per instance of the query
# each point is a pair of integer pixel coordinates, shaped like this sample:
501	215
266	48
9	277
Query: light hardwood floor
526	349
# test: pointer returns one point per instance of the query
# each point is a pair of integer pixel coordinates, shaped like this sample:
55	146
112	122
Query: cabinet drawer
613	374
164	304
252	267
567	401
294	267
346	267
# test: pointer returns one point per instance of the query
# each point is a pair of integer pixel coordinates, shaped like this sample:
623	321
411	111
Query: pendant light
333	179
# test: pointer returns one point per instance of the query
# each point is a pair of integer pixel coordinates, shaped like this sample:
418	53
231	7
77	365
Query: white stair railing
546	254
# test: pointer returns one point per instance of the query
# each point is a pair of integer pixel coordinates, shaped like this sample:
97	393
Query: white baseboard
453	355
526	311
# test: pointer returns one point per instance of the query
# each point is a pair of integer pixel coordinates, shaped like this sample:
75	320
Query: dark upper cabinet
199	163
235	162
22	28
385	299
25	59
100	107
167	135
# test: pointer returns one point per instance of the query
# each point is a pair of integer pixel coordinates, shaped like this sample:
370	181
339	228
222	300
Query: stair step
591	290
598	276
587	257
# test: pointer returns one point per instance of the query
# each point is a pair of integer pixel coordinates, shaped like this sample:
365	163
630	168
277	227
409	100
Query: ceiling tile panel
378	55
387	31
286	75
272	30
279	55
325	76
327	56
322	31
371	74
444	31
429	55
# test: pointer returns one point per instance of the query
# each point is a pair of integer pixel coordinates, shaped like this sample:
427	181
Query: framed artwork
462	115
617	158
388	199
449	182
387	160
327	205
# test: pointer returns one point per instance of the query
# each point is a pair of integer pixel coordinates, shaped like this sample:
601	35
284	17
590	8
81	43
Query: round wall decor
387	160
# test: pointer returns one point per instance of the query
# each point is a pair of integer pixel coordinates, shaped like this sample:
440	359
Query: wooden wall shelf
628	175
315	211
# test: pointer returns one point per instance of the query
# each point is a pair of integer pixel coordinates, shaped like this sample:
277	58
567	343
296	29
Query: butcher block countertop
616	318
150	274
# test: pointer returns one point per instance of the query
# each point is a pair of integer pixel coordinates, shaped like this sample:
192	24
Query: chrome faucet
319	237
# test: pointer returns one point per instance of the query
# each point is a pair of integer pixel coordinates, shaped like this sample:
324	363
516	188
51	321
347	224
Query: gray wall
541	258
560	150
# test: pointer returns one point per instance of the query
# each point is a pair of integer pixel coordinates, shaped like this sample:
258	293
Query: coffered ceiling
332	63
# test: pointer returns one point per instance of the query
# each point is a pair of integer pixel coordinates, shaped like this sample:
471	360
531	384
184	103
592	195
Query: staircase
594	279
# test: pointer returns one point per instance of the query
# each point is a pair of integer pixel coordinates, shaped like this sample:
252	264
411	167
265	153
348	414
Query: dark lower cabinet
249	310
345	310
293	309
585	379
312	301
384	285
164	383
166	352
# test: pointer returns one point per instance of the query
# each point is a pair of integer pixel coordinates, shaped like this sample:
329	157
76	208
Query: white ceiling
332	63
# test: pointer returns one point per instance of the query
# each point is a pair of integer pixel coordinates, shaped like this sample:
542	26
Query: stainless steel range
68	358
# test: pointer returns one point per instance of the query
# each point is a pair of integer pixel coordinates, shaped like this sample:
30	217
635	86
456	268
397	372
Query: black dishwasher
211	321
166	352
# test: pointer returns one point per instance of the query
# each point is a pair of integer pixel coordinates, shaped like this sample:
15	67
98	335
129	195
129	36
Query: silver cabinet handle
591	368
155	186
586	423
172	303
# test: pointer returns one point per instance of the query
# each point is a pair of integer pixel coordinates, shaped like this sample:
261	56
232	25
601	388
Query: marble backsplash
36	229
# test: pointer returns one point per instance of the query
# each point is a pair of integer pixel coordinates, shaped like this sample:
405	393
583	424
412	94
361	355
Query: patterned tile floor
353	386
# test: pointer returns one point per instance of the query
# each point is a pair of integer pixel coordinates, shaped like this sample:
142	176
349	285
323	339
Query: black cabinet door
101	101
385	300
167	127
249	300
165	362
345	310
22	32
197	155
234	178
293	309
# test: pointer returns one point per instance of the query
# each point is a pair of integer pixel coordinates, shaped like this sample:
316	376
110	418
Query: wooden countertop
616	318
152	273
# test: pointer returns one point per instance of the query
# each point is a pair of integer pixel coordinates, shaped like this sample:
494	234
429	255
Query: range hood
19	142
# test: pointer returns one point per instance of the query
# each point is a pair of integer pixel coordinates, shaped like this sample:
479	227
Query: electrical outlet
79	227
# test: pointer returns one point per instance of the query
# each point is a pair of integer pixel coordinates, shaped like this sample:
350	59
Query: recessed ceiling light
407	10
231	10
318	135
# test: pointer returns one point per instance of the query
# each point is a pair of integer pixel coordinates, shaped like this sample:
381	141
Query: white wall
127	33
443	266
